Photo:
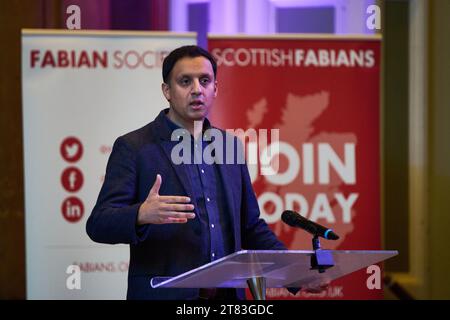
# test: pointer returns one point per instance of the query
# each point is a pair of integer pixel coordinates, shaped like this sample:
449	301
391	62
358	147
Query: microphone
293	219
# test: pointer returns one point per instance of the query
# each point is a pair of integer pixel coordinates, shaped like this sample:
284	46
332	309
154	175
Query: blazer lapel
162	131
179	169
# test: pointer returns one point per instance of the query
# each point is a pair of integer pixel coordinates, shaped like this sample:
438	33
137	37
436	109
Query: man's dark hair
182	52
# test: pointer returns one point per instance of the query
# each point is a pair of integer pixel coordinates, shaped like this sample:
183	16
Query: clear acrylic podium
261	269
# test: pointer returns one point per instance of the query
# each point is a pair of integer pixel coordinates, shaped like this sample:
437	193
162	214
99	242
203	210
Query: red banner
324	97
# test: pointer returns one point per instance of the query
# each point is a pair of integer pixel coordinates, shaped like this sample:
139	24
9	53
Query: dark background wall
15	15
395	131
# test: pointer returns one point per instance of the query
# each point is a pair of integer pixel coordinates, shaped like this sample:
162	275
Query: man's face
191	90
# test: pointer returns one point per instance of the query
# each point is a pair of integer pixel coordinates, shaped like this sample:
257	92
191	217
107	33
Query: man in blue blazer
177	217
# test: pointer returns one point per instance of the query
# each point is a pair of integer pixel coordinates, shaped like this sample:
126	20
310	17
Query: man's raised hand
158	209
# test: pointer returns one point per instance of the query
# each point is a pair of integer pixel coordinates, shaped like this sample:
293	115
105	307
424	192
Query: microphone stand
320	259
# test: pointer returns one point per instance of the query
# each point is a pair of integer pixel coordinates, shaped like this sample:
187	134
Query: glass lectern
261	269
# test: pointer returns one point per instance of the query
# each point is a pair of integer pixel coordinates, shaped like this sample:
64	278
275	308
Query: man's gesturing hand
158	209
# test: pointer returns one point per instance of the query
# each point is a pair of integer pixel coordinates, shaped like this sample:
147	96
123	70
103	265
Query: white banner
81	90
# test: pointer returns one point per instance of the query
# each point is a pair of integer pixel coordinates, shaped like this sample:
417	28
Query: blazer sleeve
113	219
256	234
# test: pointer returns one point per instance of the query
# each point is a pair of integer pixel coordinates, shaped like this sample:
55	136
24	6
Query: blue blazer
168	249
